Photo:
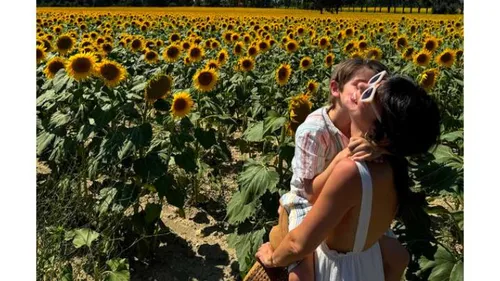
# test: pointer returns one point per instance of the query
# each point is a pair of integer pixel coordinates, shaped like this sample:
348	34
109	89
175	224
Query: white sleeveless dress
357	265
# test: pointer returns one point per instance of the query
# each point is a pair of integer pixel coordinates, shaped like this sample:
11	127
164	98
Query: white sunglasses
368	94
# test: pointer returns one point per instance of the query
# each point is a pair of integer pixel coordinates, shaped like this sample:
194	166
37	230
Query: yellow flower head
181	104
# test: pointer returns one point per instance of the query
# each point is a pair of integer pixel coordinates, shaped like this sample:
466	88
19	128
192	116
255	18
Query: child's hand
363	150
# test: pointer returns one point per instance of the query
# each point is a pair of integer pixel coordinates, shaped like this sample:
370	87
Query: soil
196	247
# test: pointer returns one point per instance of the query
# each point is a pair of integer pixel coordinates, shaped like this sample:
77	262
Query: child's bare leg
304	271
395	258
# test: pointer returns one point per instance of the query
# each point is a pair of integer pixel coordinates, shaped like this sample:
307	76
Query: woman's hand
265	255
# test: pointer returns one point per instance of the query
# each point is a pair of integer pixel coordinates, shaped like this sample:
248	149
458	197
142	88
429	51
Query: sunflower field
140	107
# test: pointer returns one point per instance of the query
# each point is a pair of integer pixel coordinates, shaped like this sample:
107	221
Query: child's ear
334	89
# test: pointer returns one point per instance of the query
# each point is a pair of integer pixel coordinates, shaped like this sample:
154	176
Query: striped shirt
317	142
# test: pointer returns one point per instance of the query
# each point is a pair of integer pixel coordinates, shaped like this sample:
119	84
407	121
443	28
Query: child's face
349	96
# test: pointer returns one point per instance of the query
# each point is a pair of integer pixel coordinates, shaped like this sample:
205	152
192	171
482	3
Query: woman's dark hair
411	126
410	118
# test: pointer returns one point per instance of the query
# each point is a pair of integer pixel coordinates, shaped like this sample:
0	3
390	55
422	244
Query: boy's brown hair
345	70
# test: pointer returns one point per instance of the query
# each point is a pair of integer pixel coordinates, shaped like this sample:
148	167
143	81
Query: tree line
333	6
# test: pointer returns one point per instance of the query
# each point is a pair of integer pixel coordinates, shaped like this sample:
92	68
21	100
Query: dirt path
197	247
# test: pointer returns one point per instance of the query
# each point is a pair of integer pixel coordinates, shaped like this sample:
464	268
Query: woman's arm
319	181
338	196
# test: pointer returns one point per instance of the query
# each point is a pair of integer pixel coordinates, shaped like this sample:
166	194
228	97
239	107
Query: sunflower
305	63
205	79
401	42
172	53
137	44
408	53
47	45
324	42
81	66
263	46
186	60
283	73
53	66
227	36
329	60
373	53
291	46
422	58
362	45
431	44
299	108
428	78
185	45
195	53
158	87
238	48
246	64
112	73
252	51
212	64
459	53
446	58
64	44
349	46
151	56
106	48
181	104
174	37
40	54
222	56
357	54
312	86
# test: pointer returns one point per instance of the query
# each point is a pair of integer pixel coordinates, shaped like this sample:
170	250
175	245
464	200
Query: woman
360	200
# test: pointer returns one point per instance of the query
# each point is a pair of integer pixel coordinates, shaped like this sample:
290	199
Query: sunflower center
237	48
322	42
109	71
362	45
446	57
174	37
252	51
291	46
150	55
180	104
263	45
195	52
136	44
107	48
421	58
282	73
81	65
429	45
172	52
305	63
246	64
55	66
158	88
205	78
311	87
222	57
39	54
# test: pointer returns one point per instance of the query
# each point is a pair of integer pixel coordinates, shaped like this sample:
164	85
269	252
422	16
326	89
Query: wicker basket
260	273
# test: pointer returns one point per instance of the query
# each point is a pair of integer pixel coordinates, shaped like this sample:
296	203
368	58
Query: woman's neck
356	131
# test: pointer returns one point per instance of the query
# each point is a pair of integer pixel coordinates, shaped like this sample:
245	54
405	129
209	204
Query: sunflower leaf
254	133
43	140
59	119
84	237
255	179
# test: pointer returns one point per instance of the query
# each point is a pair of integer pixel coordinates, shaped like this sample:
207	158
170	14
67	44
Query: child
324	134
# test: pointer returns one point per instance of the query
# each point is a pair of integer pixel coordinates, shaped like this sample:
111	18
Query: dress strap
366	207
